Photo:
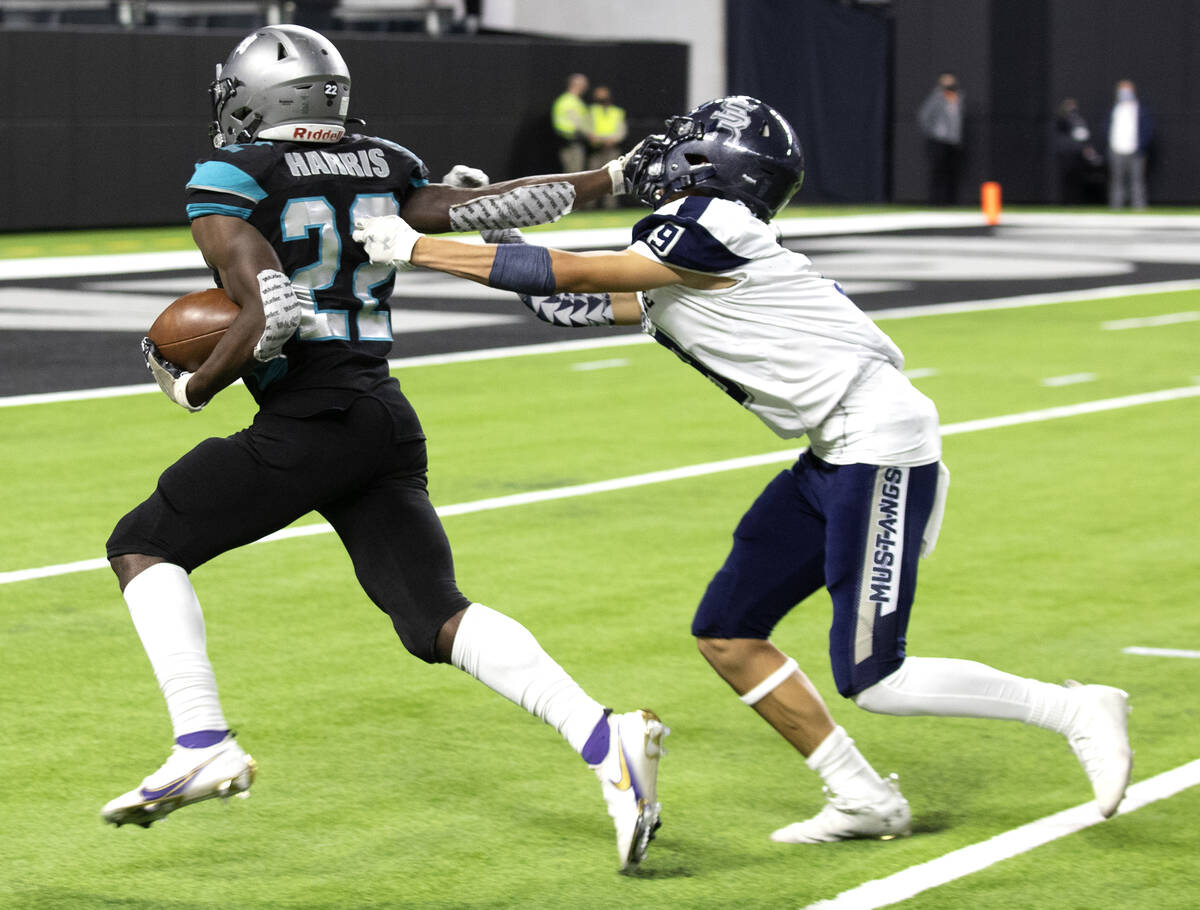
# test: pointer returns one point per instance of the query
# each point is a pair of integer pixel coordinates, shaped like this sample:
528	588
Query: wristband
524	268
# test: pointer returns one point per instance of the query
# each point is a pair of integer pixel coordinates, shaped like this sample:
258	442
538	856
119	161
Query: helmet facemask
221	93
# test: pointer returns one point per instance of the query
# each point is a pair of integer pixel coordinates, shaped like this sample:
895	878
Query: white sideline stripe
653	477
591	238
557	347
112	391
1161	652
552	347
1024	300
1116	325
883	892
520	350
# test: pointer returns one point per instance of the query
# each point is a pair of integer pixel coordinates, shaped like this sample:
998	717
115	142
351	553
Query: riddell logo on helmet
321	134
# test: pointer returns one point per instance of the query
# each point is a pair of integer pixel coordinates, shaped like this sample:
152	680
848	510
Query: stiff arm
620	274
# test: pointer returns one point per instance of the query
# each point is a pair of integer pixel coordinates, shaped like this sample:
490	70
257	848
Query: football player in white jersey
708	278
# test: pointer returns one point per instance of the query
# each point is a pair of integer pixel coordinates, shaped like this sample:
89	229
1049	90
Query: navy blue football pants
854	529
347	465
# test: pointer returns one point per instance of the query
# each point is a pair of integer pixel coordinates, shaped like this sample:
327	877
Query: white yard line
587	365
1161	652
883	892
1146	322
1069	379
653	477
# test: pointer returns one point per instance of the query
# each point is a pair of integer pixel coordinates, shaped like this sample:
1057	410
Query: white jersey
783	341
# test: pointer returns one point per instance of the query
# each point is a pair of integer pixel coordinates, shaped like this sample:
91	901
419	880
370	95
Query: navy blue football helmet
736	148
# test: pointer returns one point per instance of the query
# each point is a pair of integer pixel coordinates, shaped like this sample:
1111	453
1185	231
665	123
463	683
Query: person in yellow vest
608	131
570	118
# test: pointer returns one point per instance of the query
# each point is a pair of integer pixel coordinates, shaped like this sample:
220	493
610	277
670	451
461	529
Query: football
187	331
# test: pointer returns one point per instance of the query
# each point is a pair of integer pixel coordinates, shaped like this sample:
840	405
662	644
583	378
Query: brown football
187	331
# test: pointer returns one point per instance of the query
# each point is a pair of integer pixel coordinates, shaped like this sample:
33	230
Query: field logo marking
555	347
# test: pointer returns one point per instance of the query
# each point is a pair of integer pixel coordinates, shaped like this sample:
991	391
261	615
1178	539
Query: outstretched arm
540	270
526	269
440	207
520	267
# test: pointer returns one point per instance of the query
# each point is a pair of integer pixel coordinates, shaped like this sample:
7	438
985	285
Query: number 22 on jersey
321	286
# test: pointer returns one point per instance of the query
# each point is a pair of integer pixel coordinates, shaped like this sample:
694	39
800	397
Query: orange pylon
989	199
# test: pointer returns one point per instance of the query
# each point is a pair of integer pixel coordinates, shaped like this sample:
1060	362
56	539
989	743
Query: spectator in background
570	118
608	131
1079	164
1129	132
941	122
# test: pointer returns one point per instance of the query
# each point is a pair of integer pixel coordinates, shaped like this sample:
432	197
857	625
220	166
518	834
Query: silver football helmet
282	82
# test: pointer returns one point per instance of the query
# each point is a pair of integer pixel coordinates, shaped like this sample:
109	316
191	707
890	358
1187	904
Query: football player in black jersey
272	210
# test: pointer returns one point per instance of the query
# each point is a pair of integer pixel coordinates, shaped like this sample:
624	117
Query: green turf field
388	783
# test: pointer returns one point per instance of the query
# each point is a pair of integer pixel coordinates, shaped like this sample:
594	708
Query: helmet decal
733	115
736	148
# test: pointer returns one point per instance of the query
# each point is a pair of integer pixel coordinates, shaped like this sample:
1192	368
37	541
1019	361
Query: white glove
387	238
282	310
172	380
616	168
616	173
466	177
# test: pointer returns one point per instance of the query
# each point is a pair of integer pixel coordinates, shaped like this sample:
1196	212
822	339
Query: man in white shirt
1129	134
708	279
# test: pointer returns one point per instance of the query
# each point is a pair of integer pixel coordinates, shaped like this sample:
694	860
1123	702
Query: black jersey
305	199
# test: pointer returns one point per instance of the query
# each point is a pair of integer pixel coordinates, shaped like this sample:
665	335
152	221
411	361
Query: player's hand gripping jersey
783	341
304	199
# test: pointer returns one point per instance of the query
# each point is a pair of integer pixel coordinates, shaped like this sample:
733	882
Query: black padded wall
102	126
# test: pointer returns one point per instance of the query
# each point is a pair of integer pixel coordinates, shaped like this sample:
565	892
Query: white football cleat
188	776
844	819
1099	737
629	778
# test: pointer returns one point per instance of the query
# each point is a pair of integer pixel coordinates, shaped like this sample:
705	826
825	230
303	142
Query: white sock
965	688
168	620
504	656
844	769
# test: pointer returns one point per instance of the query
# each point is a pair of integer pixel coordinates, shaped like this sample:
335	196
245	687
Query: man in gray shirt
941	121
